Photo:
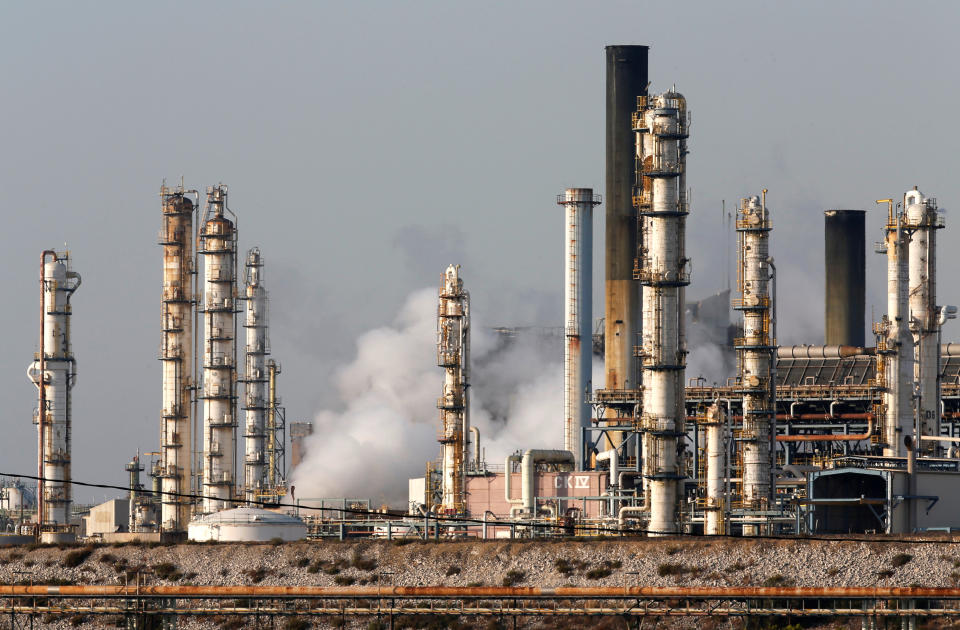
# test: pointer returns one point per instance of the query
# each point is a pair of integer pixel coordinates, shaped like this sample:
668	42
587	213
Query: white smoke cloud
386	426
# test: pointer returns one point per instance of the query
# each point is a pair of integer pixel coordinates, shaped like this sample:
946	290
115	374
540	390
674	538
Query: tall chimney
626	80
845	287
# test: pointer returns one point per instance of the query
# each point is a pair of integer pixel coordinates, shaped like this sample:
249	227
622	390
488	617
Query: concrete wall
107	518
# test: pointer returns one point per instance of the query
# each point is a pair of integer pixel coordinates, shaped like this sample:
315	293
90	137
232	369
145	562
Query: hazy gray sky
368	144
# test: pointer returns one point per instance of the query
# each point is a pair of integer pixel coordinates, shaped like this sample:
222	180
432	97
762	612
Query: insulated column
255	377
219	248
176	356
578	316
756	354
661	127
453	342
53	371
894	341
923	219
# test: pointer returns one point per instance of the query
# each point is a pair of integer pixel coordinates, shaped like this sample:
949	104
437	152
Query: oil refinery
836	437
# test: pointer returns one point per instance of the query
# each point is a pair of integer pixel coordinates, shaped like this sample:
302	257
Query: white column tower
661	127
219	248
894	342
53	371
255	377
923	219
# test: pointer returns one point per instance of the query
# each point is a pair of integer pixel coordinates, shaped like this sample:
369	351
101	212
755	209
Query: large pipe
176	356
453	343
219	249
42	390
53	371
897	342
614	459
528	473
845	268
922	218
255	378
564	592
626	80
822	352
829	437
578	316
507	477
756	353
661	127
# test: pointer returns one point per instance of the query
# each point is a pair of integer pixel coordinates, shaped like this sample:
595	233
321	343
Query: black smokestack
626	80
845	265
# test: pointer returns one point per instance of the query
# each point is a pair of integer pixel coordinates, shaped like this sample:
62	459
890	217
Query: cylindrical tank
246	524
845	268
626	80
578	316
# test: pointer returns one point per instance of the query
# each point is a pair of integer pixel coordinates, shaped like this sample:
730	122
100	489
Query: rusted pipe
830	437
814	416
571	592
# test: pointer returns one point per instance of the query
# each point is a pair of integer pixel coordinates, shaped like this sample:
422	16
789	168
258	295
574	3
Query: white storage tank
246	524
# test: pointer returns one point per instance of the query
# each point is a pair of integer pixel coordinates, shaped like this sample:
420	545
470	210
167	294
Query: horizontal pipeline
528	609
575	592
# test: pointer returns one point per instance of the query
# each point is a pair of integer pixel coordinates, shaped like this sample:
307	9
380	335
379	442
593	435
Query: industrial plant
843	436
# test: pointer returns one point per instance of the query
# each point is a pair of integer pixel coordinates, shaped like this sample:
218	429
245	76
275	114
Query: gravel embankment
593	563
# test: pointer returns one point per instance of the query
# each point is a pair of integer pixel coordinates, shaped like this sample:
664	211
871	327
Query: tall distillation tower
921	215
894	341
176	356
453	355
661	124
255	377
756	352
578	206
54	373
218	239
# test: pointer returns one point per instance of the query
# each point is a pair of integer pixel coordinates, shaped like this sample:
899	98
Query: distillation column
661	127
176	356
453	355
756	350
922	217
219	248
894	342
578	317
255	376
715	507
53	371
